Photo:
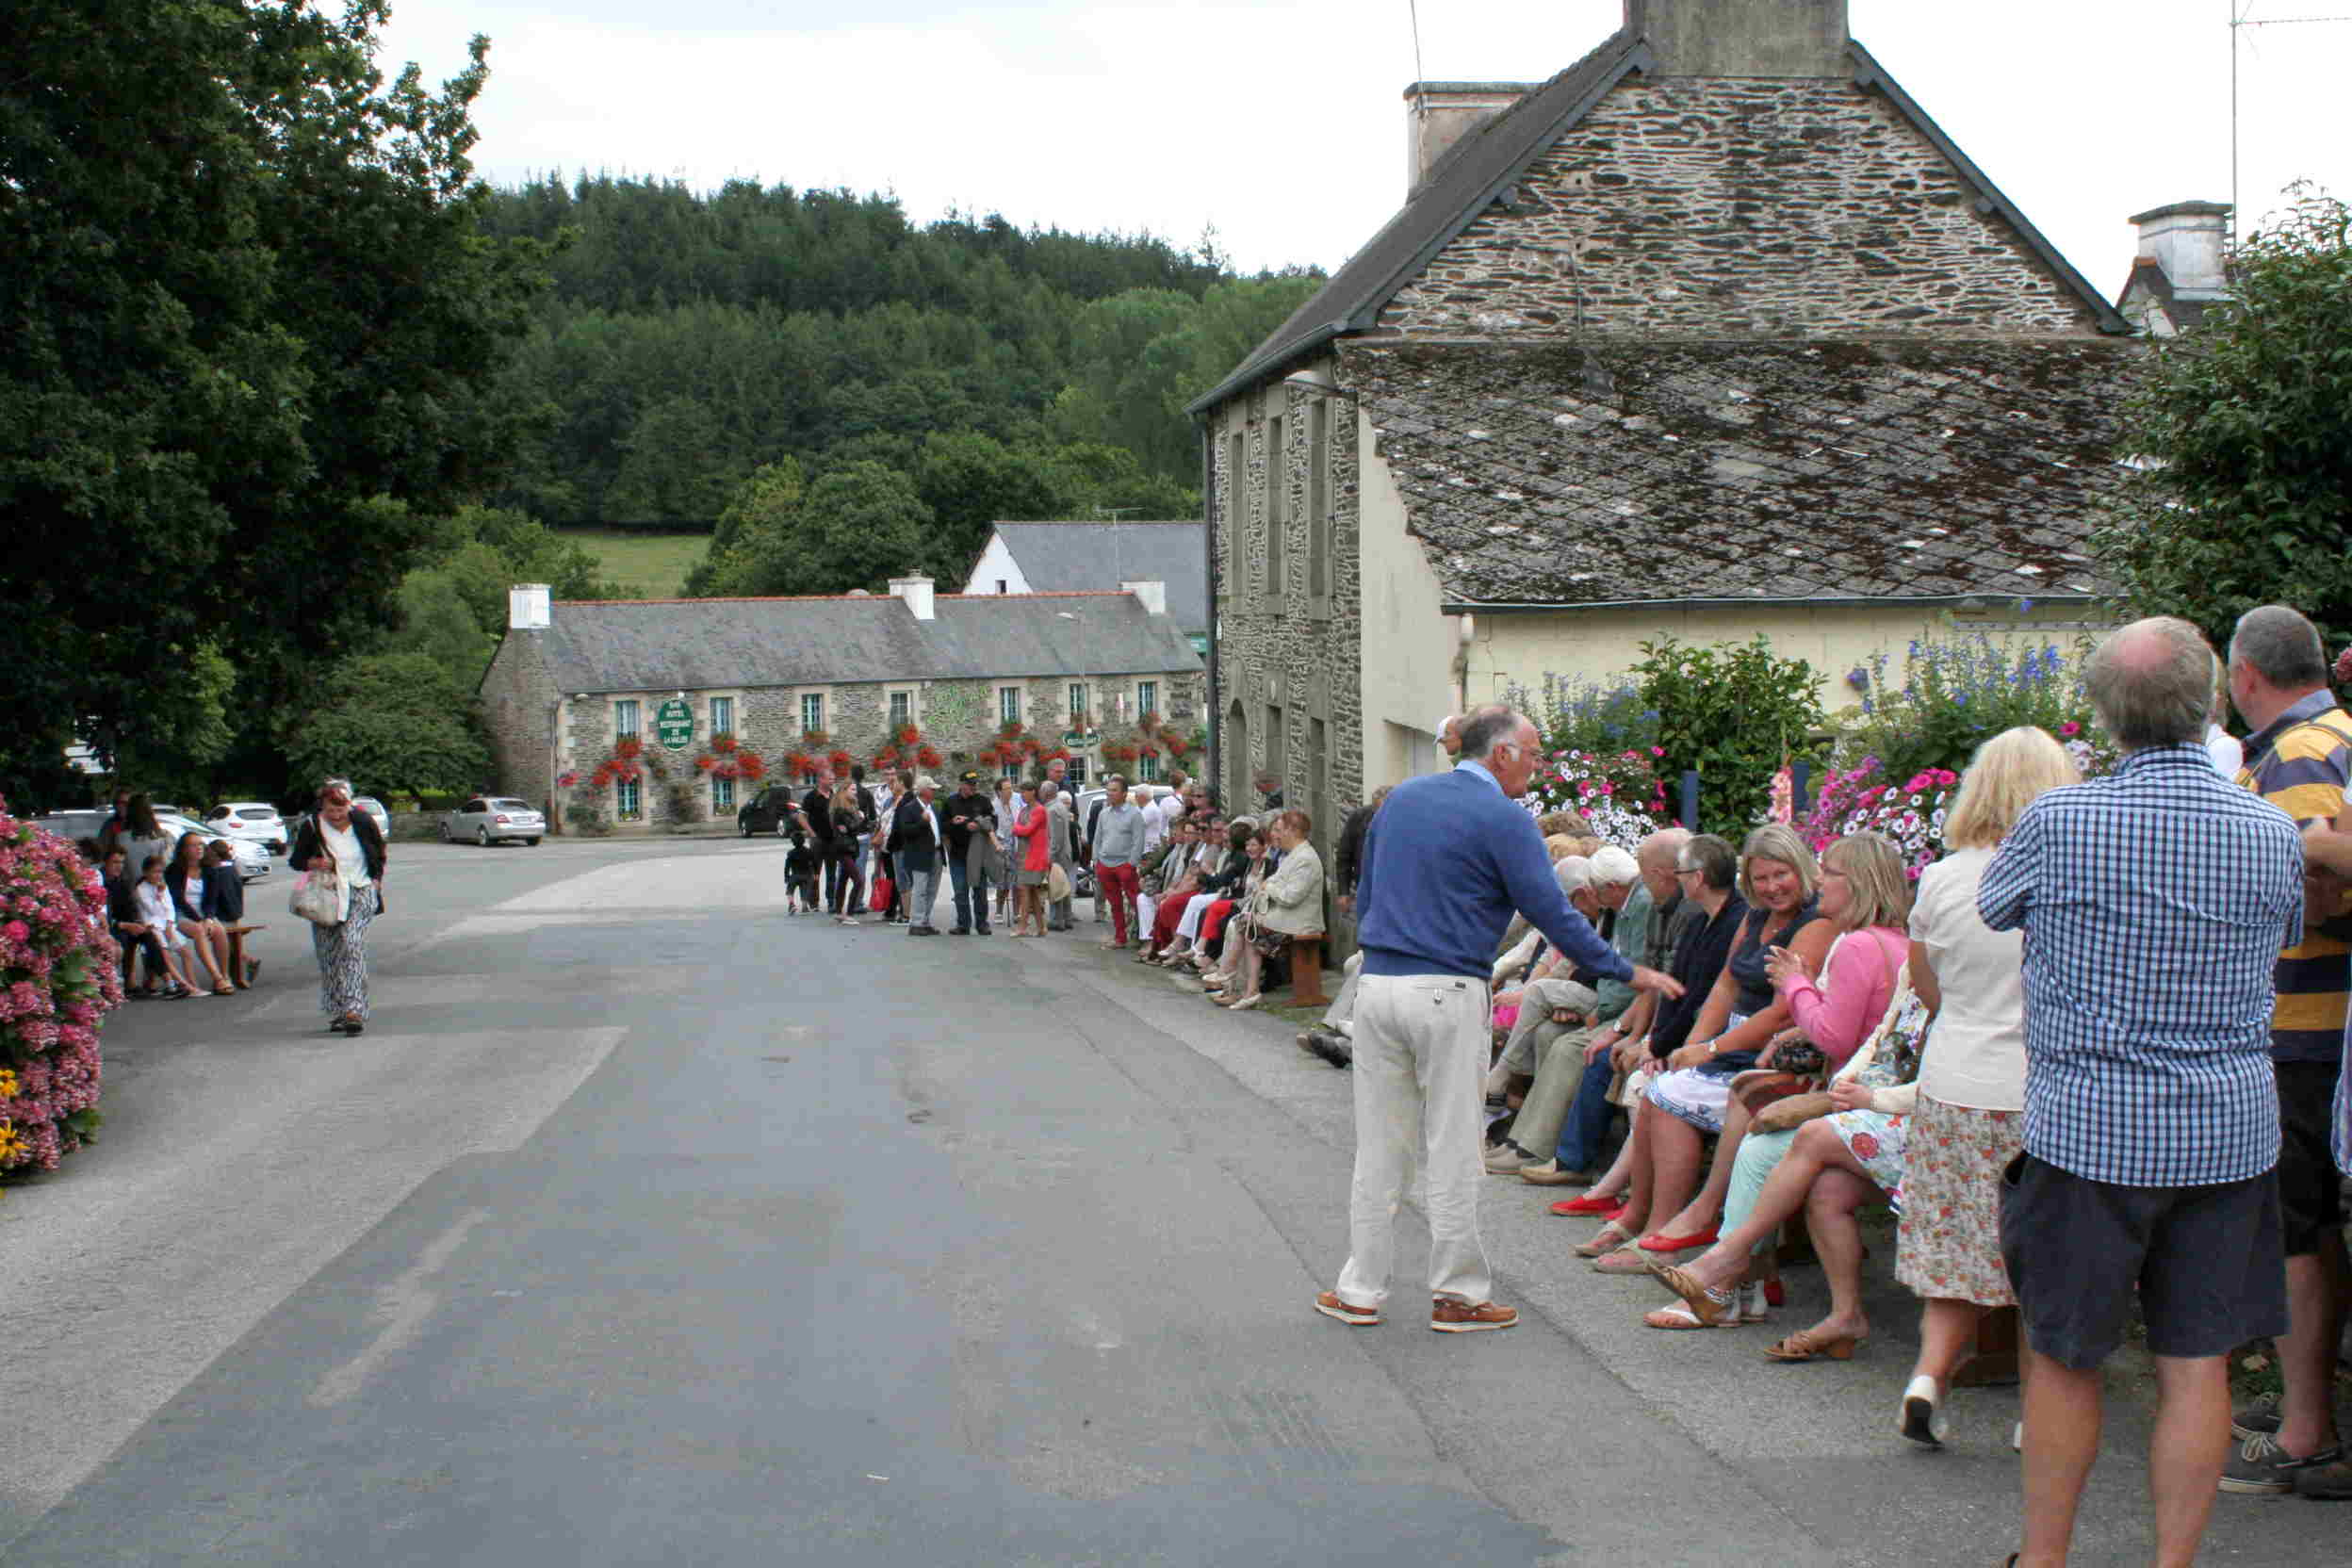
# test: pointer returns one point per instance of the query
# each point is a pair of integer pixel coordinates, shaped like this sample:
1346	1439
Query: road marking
401	1307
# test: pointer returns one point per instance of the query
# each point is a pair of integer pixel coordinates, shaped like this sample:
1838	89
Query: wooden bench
1306	972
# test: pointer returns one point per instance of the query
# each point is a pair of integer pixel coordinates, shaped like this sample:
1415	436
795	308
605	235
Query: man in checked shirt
2154	904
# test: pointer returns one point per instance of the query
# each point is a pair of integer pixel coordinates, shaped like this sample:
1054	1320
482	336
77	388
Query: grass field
654	564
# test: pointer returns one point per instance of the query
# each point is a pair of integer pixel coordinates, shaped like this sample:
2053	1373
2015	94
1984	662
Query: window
1277	745
1237	509
1010	770
1148	769
1008	705
722	794
1146	697
1319	510
1077	771
626	805
902	710
1277	504
1000	585
722	715
811	711
1077	705
623	719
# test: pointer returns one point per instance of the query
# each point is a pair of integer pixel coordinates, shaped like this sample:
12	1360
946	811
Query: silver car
252	858
487	818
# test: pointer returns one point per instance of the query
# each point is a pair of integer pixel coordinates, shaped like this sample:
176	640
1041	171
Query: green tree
972	482
439	619
247	297
391	721
2244	427
856	526
1735	711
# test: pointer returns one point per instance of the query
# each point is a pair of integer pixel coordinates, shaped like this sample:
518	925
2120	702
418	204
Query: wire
1419	72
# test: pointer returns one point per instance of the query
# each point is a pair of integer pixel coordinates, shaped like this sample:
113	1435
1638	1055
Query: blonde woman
1735	1031
1970	1115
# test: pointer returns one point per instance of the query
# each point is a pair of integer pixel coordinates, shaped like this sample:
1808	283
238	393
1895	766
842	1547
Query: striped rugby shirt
2301	762
2153	902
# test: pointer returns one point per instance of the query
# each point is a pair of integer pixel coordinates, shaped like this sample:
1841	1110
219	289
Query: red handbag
883	891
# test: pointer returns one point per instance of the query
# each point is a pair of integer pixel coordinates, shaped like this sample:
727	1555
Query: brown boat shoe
1450	1317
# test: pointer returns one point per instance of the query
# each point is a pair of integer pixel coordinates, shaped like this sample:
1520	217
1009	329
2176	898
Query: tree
2244	429
856	526
246	299
391	721
971	483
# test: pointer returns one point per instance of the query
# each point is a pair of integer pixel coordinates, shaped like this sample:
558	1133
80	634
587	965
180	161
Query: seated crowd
176	906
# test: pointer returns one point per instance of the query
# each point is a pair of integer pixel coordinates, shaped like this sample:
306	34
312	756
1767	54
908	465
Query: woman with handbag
1288	903
1033	834
342	852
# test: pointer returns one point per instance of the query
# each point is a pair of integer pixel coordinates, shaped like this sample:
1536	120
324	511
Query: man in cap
971	846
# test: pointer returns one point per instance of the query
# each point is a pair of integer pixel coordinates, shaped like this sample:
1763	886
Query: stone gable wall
1734	207
1279	654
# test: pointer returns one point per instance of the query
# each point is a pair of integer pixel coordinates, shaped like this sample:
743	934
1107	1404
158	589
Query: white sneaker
1507	1159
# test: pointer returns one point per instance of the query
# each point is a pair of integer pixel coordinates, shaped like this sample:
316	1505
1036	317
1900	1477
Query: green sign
674	725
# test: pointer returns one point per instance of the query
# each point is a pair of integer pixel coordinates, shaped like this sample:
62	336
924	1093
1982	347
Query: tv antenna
2242	17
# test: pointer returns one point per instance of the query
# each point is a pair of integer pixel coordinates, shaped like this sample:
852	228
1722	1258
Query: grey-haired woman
338	839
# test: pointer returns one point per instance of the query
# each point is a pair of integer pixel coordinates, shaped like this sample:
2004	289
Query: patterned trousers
342	952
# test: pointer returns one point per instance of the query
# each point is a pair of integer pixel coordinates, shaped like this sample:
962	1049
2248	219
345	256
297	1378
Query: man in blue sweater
1445	863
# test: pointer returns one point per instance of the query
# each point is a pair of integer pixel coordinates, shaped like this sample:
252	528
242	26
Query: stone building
1096	557
575	678
1715	334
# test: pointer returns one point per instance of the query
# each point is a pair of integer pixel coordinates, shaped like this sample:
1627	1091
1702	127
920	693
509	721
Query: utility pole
2241	18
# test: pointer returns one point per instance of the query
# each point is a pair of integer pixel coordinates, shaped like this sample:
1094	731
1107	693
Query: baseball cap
968	776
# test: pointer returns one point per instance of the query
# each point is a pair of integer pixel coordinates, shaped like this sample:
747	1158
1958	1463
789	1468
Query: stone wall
1707	207
1278	652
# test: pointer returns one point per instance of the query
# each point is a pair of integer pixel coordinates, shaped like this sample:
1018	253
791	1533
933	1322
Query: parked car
253	857
489	819
256	819
769	811
71	825
374	808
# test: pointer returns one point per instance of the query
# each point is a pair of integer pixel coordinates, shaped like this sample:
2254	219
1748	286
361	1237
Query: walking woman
349	844
1032	833
850	827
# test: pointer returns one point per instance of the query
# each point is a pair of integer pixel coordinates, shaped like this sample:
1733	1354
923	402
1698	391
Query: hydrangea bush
59	976
1618	792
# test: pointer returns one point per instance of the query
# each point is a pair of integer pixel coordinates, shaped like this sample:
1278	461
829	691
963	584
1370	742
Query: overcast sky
1281	122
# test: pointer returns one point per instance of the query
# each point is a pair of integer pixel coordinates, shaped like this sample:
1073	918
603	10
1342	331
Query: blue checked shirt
2154	904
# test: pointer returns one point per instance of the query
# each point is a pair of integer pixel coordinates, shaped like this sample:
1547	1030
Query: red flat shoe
1612	1207
1655	1243
1774	1295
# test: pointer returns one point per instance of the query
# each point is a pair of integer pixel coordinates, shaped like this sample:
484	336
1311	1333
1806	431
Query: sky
1282	122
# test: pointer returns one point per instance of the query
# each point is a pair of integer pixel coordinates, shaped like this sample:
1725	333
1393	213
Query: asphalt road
648	1224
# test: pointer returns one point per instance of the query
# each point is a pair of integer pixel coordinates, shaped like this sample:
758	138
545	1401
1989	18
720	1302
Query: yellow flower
7	1084
12	1148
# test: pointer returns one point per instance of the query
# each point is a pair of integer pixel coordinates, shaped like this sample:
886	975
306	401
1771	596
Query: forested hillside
842	393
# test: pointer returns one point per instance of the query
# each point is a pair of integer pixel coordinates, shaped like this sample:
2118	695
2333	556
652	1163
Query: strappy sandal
1709	1307
1679	1315
1807	1345
1625	1262
1606	1240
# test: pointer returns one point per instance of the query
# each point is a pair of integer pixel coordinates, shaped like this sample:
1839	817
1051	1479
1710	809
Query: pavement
647	1222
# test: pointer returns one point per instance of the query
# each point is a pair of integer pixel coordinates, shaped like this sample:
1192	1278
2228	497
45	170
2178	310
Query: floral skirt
342	954
1877	1142
1949	1245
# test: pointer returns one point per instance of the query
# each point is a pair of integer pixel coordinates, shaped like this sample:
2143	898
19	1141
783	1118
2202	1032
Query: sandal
1606	1240
1808	1345
1710	1308
1679	1315
1623	1261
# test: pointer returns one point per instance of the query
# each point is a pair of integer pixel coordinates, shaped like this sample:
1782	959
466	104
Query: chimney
1438	114
526	607
916	591
2190	241
1744	38
1154	595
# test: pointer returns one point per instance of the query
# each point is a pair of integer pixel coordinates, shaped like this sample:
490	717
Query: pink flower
2070	727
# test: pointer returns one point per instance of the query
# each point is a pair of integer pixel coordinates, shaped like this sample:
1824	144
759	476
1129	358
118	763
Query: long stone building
1715	334
693	683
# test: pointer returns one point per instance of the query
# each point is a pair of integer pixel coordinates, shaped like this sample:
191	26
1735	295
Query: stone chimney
527	608
1438	114
2189	242
1744	38
916	591
1154	595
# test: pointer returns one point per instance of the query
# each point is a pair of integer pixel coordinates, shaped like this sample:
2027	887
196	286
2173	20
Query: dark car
769	811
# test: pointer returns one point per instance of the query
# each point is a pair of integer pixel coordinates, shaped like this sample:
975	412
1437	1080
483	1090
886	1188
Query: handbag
1268	943
884	890
317	898
1057	884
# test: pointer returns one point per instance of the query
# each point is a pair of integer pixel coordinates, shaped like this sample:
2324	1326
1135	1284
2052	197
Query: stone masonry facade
1288	651
957	718
1713	207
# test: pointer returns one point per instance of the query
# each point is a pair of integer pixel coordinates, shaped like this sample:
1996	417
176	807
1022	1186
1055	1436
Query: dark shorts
2310	1189
2204	1260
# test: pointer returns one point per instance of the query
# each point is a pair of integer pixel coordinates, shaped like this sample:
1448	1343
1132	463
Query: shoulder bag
317	895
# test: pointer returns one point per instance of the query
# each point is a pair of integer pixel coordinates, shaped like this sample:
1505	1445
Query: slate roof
705	644
1478	168
1659	471
1098	557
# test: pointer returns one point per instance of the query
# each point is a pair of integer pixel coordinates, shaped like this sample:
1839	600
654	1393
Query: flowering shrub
58	978
1863	799
1575	714
729	759
1620	793
1960	691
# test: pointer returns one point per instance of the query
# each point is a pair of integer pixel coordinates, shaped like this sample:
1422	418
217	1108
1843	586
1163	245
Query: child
800	878
154	903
